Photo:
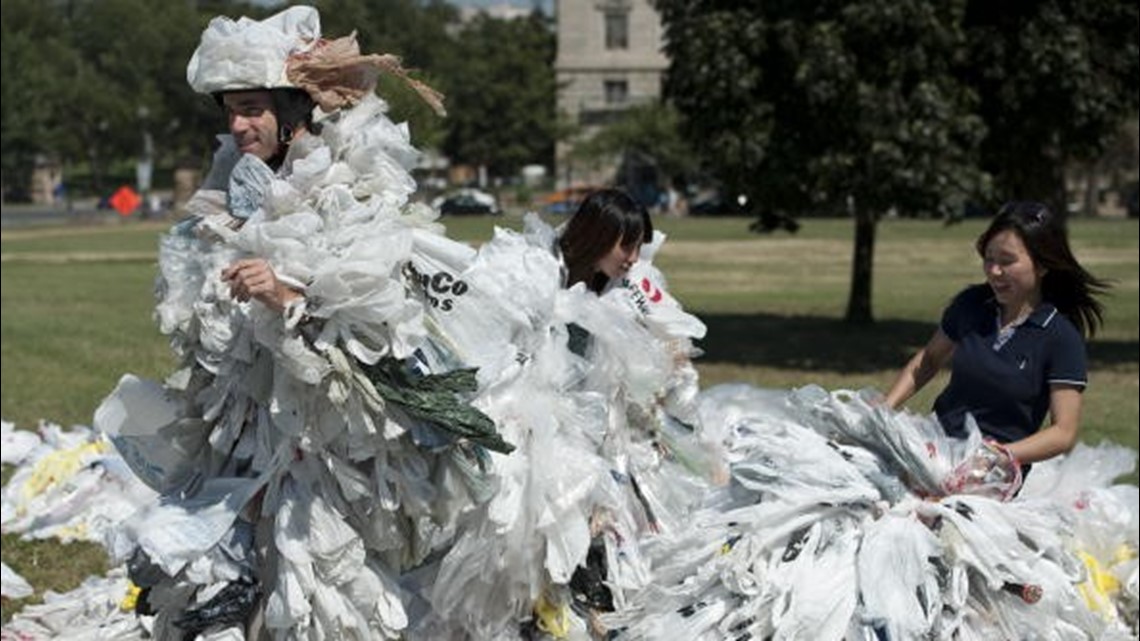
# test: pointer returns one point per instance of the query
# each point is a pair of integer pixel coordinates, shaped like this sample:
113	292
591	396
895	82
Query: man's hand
253	278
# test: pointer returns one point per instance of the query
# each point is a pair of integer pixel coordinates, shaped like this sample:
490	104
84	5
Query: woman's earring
286	134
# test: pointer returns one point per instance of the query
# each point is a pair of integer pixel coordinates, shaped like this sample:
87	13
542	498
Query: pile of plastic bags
837	525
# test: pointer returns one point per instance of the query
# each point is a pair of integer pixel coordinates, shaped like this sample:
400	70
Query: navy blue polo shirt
1006	389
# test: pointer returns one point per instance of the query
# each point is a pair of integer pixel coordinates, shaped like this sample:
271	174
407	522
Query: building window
617	92
617	29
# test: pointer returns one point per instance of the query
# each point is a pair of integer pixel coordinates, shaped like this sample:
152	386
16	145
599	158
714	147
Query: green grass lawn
77	308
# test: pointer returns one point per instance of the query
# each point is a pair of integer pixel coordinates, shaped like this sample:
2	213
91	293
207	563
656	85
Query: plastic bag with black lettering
485	308
644	287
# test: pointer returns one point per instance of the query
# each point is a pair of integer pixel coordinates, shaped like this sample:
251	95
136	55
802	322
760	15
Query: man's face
253	122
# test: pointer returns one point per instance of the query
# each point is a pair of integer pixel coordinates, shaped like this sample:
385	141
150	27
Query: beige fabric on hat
336	74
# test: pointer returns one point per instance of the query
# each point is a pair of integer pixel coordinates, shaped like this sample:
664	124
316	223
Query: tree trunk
1092	189
96	168
1039	177
862	262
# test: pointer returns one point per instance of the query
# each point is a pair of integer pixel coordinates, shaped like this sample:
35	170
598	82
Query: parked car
467	202
565	201
716	204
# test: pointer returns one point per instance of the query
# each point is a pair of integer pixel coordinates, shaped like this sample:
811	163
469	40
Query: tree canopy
871	106
650	131
831	107
1055	81
85	80
503	95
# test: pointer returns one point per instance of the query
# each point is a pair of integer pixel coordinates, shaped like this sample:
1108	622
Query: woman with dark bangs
593	390
603	239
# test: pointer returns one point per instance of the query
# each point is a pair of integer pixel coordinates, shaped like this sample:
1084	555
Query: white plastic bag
14	586
144	420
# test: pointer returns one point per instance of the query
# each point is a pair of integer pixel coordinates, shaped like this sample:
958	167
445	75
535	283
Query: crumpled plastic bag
94	610
17	445
815	596
72	486
914	447
485	307
990	470
145	422
13	585
249	182
174	535
230	606
1086	466
644	289
898	583
620	347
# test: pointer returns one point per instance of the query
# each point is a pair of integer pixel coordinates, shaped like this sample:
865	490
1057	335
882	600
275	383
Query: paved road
25	215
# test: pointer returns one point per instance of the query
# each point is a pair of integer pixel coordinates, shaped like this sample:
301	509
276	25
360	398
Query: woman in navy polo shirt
1015	344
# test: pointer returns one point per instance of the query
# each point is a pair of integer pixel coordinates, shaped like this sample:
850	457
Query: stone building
609	59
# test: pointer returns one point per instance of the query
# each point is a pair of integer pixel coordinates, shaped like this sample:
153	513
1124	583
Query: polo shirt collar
1041	316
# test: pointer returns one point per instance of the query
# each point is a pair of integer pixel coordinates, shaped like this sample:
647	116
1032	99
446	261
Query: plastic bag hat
251	54
286	51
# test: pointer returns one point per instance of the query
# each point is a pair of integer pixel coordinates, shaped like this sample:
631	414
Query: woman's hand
991	470
254	279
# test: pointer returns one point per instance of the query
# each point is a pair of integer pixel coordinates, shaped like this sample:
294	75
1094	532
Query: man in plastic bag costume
315	442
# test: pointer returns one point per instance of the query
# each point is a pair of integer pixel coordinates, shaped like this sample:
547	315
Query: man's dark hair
294	108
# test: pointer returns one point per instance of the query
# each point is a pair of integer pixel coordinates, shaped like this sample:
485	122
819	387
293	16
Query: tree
83	80
1056	81
417	32
35	54
828	107
497	77
651	131
502	95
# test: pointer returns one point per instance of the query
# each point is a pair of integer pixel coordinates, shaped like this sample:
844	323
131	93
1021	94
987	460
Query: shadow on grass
816	343
1113	353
